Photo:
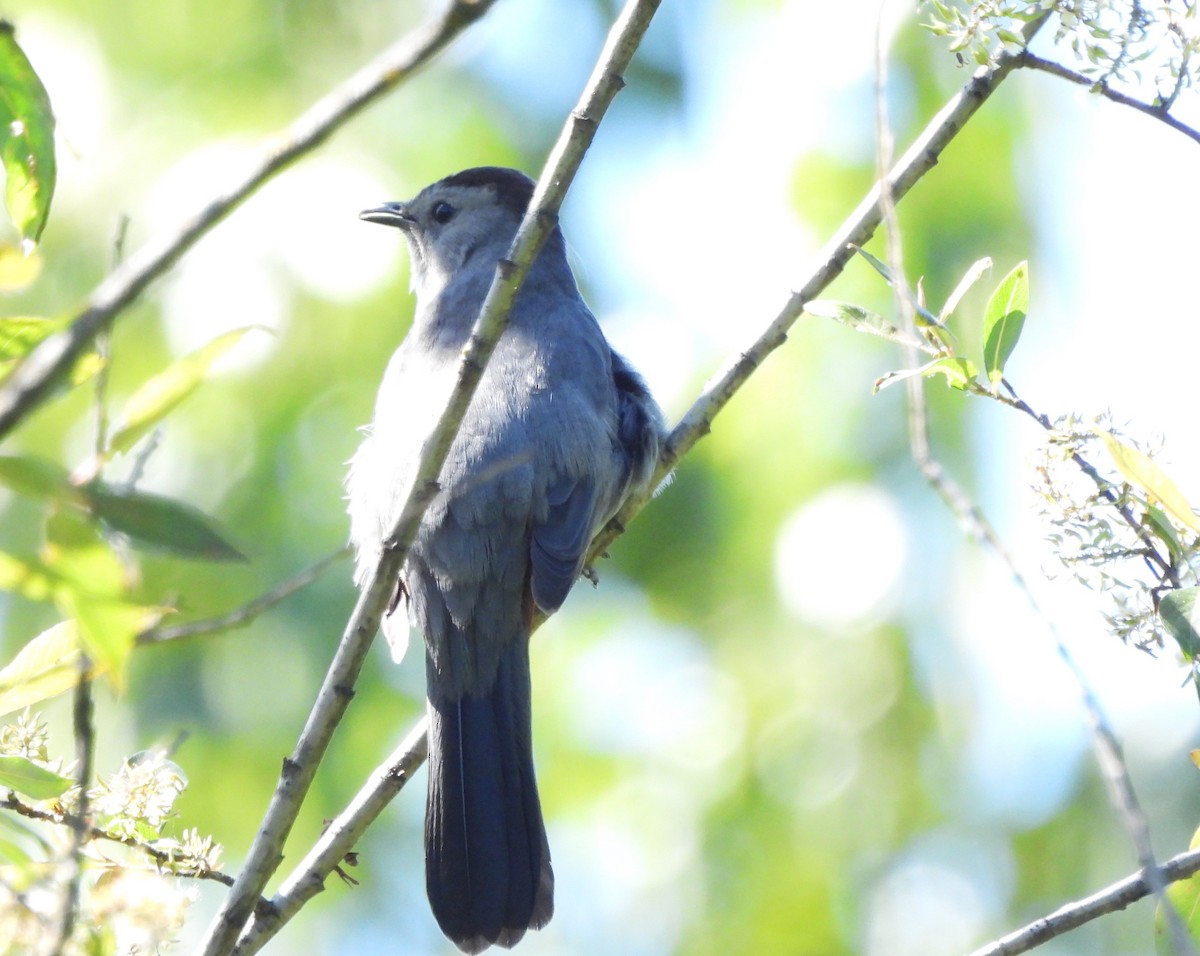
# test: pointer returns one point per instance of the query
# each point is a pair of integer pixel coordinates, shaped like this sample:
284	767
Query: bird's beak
389	214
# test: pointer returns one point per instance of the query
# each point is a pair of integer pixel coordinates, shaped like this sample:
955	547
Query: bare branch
1108	900
339	839
1160	113
241	616
34	379
161	858
336	691
85	748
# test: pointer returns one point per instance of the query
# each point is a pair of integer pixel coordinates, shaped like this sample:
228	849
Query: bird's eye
443	212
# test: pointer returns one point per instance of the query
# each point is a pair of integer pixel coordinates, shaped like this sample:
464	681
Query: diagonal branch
36	377
163	859
338	688
338	840
246	613
1160	113
1108	900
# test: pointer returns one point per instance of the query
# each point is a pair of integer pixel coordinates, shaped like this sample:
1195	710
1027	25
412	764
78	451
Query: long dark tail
487	862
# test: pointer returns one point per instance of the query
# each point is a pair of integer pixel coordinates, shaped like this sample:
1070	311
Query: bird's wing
559	543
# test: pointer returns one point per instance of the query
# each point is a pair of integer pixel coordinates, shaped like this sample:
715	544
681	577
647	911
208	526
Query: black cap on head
513	188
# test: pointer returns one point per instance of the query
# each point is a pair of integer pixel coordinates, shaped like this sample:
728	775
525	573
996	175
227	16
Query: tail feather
487	861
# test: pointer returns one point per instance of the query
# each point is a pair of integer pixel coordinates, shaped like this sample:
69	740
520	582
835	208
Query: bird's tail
487	862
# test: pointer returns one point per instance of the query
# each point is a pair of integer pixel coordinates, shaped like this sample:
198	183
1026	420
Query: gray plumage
559	432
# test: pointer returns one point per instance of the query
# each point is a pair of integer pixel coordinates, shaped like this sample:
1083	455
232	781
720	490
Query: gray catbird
560	430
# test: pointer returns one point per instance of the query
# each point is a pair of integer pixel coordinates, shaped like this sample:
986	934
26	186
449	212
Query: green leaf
1142	471
959	372
1161	525
162	522
892	378
876	264
19	334
108	629
45	667
27	143
859	319
18	269
38	478
30	579
1003	320
970	277
91	590
1181	618
80	559
922	314
24	776
160	395
1184	895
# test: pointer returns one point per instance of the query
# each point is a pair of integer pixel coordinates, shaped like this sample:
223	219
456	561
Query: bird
559	433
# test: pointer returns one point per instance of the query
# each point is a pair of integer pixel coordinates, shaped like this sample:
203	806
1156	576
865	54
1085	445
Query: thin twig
164	859
334	696
1104	488
1111	899
35	378
241	616
1160	113
339	839
85	749
83	709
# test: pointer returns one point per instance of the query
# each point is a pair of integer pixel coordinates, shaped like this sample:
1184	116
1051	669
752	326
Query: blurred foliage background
778	725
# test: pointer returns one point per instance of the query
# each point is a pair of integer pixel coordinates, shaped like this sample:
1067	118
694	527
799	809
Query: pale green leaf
38	478
892	378
26	777
1141	471
18	268
163	523
160	395
30	579
1181	618
45	667
108	629
19	334
970	277
1184	896
959	372
80	559
923	315
1003	320
859	319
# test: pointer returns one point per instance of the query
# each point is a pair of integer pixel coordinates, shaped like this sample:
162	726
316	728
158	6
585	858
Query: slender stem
161	858
1108	900
1160	113
241	616
1104	488
338	839
34	379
